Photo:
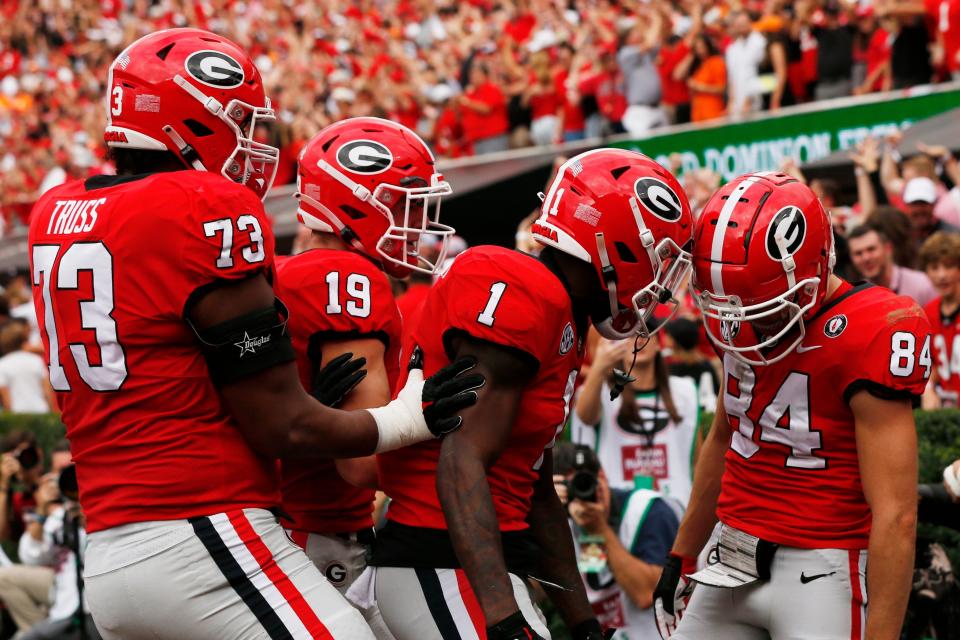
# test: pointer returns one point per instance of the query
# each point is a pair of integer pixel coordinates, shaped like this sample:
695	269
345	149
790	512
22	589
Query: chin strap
608	273
622	378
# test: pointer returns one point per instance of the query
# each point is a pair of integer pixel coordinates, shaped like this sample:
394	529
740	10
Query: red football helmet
374	183
628	216
763	253
198	95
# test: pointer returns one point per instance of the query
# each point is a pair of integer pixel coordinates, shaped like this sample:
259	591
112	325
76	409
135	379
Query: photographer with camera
54	538
20	471
622	537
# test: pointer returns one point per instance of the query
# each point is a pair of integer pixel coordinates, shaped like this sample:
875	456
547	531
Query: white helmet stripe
563	169
720	234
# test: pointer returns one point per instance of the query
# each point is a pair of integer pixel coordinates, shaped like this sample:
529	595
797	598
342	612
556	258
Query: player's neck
833	283
319	240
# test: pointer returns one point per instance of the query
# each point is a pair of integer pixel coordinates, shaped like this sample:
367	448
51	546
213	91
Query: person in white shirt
24	383
743	58
650	430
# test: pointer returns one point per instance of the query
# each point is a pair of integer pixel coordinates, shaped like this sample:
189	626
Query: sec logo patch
566	340
835	326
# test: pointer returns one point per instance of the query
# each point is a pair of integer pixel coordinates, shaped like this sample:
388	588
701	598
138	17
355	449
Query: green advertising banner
807	134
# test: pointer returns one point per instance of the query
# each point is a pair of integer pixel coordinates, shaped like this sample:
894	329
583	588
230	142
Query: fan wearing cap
466	520
919	197
811	462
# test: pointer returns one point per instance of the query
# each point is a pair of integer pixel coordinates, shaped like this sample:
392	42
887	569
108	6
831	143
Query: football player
811	462
940	258
368	191
174	372
469	520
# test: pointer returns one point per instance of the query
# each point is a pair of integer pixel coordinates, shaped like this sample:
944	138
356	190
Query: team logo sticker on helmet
729	329
658	198
835	326
364	156
566	340
214	69
792	226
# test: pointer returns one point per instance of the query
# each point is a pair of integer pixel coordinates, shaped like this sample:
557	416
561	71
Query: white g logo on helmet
364	156
214	69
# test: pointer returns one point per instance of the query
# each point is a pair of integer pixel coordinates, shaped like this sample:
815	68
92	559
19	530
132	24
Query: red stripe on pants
264	557
856	603
472	605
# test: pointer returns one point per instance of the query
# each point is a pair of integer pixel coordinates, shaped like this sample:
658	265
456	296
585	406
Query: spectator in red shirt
676	94
872	49
545	106
571	114
606	85
484	112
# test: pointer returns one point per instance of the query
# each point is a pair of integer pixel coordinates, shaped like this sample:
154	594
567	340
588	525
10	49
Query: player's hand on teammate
336	379
672	593
447	392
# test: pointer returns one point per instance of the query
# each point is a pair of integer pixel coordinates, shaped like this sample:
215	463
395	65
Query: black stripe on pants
437	603
238	579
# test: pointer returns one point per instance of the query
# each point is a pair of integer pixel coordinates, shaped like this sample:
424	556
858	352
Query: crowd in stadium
470	77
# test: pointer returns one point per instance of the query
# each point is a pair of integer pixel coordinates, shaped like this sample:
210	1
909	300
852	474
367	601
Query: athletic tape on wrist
401	423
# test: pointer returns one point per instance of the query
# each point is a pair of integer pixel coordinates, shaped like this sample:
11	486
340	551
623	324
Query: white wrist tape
950	479
401	422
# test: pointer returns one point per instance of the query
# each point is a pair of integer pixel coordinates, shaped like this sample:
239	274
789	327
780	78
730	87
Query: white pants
812	594
230	575
340	560
438	604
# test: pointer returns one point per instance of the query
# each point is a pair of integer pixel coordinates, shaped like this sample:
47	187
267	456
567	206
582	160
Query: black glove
591	630
672	593
337	378
513	627
447	392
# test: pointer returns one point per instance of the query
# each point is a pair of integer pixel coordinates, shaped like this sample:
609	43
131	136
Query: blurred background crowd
473	76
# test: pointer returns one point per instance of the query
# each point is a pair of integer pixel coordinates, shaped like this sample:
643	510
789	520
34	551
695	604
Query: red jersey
513	300
946	352
792	472
480	126
115	262
332	295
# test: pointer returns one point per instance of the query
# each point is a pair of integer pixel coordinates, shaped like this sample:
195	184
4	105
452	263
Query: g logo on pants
336	573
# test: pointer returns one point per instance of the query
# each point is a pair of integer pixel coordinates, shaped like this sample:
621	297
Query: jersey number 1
94	313
496	292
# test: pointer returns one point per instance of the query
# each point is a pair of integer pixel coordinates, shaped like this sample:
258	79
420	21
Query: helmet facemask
411	213
783	313
252	164
671	266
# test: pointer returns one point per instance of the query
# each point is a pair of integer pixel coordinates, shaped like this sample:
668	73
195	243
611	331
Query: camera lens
583	486
28	458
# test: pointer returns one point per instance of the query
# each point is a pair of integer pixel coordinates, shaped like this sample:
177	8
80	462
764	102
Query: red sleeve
500	307
895	359
210	230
